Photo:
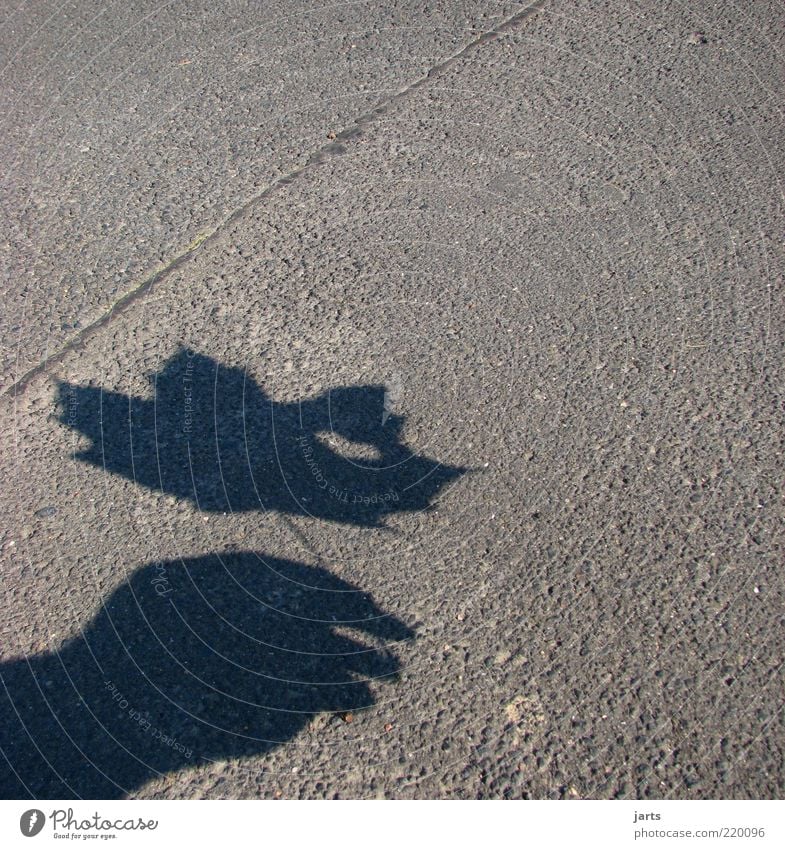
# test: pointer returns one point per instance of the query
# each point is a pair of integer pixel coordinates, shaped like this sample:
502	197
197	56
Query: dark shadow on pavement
212	436
216	657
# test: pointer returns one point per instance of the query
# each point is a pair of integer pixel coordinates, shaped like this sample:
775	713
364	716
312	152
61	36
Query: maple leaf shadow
210	435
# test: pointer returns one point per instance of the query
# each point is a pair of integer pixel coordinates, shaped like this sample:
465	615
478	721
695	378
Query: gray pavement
393	401
131	130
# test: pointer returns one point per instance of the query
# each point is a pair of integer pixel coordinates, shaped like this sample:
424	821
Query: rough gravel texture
490	358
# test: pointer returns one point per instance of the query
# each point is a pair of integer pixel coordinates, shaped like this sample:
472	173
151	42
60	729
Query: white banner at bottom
404	824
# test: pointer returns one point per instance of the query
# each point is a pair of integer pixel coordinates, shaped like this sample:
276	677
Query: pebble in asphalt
549	268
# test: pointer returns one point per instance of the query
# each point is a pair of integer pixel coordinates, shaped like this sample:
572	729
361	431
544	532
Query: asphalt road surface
392	400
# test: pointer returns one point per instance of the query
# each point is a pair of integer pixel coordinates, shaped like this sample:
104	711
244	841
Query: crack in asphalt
317	157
